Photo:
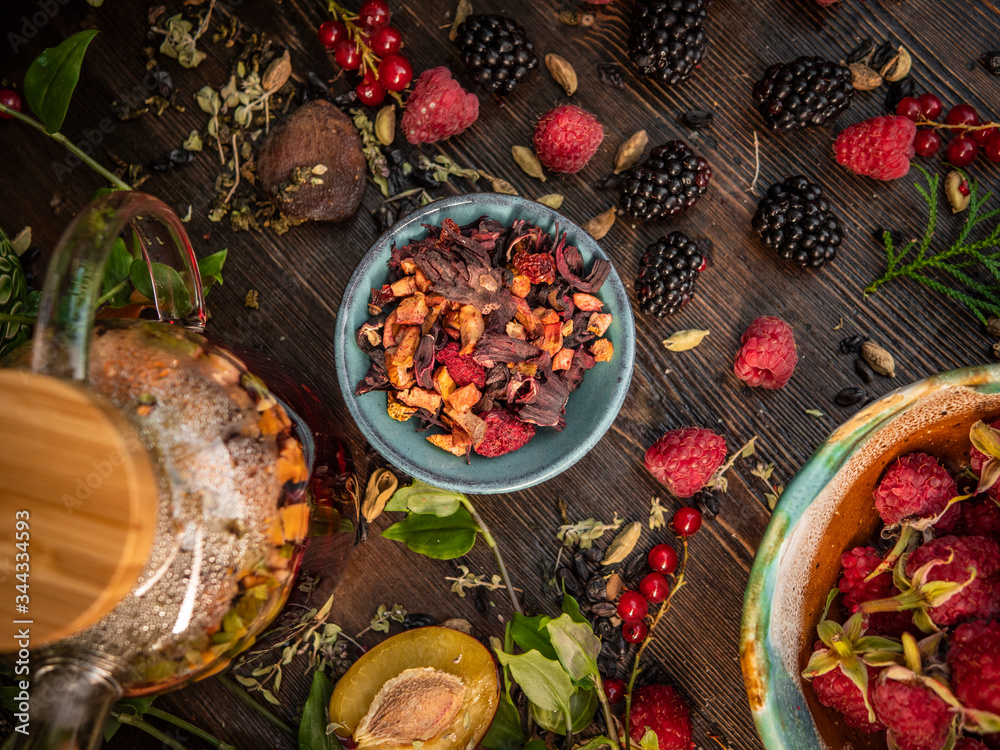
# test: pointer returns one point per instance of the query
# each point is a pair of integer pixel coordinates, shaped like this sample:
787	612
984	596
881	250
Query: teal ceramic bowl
591	408
827	509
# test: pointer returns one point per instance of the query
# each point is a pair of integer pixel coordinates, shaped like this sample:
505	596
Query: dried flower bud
864	78
562	72
385	124
630	152
277	73
878	359
957	198
601	224
528	162
898	66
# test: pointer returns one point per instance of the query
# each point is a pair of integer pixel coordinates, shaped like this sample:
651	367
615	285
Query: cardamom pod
630	152
498	185
601	224
528	162
562	72
878	359
277	73
552	200
623	544
381	486
385	124
681	341
864	78
898	66
957	198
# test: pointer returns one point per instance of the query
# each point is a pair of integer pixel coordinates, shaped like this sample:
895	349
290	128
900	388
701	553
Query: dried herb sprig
915	259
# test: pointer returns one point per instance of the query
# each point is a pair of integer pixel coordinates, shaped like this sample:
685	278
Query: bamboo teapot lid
77	508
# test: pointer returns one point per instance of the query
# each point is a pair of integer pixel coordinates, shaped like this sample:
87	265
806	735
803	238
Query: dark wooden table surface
301	277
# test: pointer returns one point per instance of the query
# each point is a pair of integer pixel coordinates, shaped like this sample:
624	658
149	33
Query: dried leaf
463	11
381	486
499	185
528	162
252	300
623	544
681	341
193	142
656	517
552	200
385	124
763	471
815	413
562	72
601	224
630	152
277	73
585	532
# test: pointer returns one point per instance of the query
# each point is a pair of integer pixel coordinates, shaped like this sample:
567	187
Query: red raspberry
566	137
685	459
540	268
462	367
968	554
767	355
438	108
836	690
916	485
880	147
974	658
967	743
504	433
981	518
916	717
661	709
858	563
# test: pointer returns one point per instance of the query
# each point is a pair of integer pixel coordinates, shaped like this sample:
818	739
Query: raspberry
916	717
974	658
566	137
504	433
970	554
916	485
661	709
685	459
967	743
462	367
766	356
981	518
438	108
880	147
540	268
836	690
858	563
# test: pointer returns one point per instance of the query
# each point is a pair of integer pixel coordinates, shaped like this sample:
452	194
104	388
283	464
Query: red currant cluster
962	119
367	43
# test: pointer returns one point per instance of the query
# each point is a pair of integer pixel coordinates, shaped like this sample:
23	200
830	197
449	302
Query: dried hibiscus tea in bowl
483	331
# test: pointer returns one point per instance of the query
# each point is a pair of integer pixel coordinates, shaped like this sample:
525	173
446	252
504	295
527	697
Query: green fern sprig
915	259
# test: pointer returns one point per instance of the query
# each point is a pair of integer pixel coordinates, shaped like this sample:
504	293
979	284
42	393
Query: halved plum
405	690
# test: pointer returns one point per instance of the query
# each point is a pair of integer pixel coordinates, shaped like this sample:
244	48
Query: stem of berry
369	61
68	145
963	128
664	608
491	543
609	719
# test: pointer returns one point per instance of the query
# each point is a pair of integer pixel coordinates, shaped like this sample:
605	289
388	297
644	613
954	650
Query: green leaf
544	681
530	633
171	291
441	538
52	77
424	498
13	296
600	742
116	270
312	728
582	707
576	646
571	607
505	731
535	745
210	268
649	741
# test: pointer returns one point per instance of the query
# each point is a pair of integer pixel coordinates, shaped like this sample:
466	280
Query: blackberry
669	182
809	91
496	52
667	39
796	221
667	273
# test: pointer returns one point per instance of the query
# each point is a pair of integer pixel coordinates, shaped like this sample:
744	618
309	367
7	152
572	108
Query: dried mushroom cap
416	705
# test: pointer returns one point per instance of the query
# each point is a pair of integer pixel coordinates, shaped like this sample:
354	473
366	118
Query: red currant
962	114
347	55
931	106
910	108
386	41
927	142
663	559
370	91
614	691
634	632
992	148
395	72
654	587
374	14
961	152
332	33
631	607
687	521
10	99
981	136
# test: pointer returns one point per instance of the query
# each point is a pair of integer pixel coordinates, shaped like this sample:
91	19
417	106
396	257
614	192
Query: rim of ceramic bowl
770	688
624	351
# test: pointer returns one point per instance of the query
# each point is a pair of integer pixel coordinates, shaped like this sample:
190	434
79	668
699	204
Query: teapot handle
73	282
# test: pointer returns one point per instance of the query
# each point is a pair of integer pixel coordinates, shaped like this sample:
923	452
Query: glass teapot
160	498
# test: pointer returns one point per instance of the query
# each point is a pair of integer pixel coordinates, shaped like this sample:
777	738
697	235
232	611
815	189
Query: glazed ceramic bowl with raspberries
872	616
484	343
